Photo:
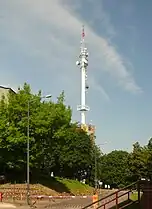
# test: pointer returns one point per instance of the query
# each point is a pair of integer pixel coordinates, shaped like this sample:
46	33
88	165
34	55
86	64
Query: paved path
71	204
113	203
74	203
6	205
78	203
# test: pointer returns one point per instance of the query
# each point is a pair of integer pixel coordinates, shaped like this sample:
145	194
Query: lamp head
48	96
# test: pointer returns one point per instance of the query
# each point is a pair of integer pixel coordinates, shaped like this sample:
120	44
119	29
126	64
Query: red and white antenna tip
83	33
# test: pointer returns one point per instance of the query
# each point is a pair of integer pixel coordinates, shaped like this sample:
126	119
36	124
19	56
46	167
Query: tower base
90	130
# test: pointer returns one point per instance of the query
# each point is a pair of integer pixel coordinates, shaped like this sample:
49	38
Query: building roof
7	88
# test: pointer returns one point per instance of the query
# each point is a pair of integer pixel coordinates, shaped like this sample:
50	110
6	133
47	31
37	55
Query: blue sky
39	44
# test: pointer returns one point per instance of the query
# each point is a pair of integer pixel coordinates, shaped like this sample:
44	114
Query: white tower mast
83	64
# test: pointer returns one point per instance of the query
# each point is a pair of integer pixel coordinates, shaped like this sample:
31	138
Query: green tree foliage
59	146
149	159
56	145
120	168
114	168
138	162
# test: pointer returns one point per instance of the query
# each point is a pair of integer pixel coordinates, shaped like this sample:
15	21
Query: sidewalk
6	205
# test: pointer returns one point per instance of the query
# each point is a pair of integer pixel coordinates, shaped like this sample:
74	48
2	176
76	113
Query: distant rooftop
7	88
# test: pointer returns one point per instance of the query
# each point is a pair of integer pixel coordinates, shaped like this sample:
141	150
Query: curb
58	197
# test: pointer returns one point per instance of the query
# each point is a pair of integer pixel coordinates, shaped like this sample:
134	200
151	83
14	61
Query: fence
18	194
115	198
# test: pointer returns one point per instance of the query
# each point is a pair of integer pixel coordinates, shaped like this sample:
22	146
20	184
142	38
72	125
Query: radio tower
83	64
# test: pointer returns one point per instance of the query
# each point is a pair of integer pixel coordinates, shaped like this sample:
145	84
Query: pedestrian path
6	205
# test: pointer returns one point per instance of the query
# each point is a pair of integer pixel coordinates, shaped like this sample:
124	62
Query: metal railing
115	196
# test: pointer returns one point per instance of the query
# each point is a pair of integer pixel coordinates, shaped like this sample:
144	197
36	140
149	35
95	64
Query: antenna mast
83	64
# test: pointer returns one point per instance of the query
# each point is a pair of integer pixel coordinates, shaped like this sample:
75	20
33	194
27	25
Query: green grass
53	186
134	196
76	187
63	185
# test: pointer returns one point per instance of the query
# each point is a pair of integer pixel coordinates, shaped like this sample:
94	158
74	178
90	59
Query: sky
40	44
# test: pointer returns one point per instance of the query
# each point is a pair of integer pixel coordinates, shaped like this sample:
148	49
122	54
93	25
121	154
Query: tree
114	168
149	146
75	150
55	143
14	129
138	162
149	159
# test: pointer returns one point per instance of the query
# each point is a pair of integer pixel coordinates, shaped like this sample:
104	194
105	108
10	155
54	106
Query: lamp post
28	146
95	154
95	176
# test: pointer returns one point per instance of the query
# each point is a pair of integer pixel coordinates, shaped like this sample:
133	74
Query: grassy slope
53	186
75	187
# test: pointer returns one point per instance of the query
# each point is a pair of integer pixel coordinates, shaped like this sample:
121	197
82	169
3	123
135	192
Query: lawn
52	186
76	187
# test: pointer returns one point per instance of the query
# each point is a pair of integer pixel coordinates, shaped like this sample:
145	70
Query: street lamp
95	176
28	146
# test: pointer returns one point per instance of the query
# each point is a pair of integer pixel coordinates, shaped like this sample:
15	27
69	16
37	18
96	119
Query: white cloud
39	42
67	28
46	30
99	88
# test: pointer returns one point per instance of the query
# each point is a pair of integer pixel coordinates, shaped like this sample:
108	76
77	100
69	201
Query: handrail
104	204
128	186
114	193
113	199
124	194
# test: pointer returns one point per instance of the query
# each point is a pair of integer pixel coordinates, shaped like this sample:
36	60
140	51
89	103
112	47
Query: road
73	203
56	204
81	202
6	205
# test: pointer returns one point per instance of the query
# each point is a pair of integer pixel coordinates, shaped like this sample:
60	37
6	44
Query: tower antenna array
83	64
